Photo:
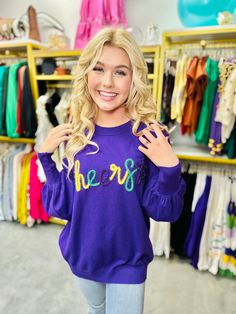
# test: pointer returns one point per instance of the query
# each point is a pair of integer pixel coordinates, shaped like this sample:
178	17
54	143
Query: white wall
162	12
139	12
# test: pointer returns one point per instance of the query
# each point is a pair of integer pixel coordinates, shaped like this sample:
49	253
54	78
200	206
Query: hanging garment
44	125
227	265
168	87
83	28
230	146
94	15
50	105
4	102
23	204
226	112
226	68
215	143
11	104
193	238
195	87
62	109
217	239
37	210
28	115
8	175
17	162
62	115
179	229
191	94
179	94
215	204
2	79
4	149
202	131
20	82
160	237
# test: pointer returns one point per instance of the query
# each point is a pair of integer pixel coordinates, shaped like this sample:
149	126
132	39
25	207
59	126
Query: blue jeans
112	298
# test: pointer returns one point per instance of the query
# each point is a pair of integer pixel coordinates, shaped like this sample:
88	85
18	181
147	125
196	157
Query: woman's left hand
157	149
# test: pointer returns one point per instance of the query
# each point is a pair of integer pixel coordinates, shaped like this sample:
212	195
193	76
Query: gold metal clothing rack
202	38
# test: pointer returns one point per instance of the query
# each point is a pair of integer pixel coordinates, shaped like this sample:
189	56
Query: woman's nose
108	79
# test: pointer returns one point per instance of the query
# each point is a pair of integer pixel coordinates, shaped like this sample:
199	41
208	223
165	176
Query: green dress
202	131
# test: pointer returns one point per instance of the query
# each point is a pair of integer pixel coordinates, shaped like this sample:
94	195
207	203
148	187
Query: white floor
35	279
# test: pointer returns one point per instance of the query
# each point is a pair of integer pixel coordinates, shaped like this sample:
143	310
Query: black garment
168	88
42	86
179	229
50	106
28	114
230	145
4	102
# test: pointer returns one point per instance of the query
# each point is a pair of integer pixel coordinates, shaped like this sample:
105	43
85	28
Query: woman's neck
107	119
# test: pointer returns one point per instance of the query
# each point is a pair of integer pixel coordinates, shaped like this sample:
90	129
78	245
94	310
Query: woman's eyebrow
117	66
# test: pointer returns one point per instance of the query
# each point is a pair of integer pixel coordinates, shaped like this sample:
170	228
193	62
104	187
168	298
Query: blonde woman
119	170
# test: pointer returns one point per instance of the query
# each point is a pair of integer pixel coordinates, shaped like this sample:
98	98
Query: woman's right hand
55	137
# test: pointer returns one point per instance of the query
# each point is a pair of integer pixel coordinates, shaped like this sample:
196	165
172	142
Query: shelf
43	53
17	140
224	33
201	155
59	85
53	77
19	46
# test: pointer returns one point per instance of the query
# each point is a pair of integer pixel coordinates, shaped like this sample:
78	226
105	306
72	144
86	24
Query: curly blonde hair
140	105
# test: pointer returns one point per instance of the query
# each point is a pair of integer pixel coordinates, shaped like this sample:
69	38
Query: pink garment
96	14
37	210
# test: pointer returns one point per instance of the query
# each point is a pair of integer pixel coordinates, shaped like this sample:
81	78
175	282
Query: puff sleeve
58	191
164	192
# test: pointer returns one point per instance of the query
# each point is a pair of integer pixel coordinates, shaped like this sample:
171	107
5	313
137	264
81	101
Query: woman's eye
120	73
98	69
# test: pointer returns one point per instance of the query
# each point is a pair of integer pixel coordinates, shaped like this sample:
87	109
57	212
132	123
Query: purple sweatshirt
107	202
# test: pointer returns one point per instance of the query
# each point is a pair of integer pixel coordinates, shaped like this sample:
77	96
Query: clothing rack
16	140
203	39
22	49
209	166
214	51
18	50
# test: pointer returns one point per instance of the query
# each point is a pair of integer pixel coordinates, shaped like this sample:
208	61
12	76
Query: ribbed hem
126	275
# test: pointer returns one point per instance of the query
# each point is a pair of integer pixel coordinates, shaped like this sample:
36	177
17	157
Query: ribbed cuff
169	179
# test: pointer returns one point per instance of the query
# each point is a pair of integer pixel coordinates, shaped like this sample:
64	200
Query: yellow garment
179	93
22	210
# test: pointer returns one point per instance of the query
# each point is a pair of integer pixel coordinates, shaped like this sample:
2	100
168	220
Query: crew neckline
114	130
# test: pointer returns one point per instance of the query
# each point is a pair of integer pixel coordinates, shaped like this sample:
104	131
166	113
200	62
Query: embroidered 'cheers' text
92	179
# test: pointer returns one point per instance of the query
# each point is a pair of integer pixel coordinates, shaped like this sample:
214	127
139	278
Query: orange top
195	87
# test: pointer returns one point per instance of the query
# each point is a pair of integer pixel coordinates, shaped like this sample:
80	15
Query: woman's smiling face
109	82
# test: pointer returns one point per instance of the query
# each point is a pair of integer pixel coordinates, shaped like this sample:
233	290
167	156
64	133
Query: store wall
139	12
